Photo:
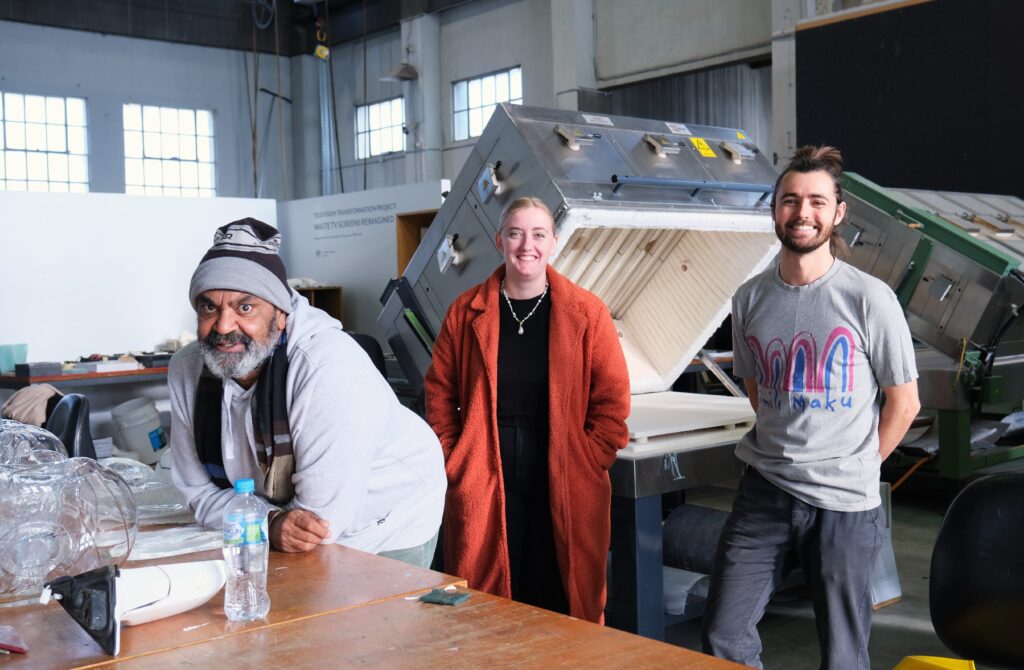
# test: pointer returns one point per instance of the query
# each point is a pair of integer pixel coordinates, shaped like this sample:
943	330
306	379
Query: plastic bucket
137	429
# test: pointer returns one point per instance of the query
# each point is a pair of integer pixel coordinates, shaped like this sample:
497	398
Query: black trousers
767	534
536	579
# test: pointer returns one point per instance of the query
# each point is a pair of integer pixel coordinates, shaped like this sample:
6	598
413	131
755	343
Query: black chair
69	421
372	348
976	590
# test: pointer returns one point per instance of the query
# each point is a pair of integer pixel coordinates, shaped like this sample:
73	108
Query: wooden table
331	578
483	632
339	607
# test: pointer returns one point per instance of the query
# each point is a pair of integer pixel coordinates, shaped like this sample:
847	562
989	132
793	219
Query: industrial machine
660	220
953	260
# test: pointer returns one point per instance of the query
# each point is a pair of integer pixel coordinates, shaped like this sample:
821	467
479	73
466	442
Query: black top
523	362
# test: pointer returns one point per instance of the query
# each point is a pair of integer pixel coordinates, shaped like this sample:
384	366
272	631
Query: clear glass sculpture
58	515
24	444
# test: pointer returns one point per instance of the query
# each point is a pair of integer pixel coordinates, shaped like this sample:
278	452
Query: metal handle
489	183
671	463
904	276
661	145
574	138
696	185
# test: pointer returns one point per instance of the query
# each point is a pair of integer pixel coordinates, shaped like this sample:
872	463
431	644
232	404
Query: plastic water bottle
246	549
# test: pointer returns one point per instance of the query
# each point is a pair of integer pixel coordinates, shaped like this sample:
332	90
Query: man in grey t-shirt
814	340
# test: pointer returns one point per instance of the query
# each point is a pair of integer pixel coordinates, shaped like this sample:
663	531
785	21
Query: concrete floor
901	629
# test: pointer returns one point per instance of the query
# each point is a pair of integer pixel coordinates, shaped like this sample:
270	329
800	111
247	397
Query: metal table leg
636	601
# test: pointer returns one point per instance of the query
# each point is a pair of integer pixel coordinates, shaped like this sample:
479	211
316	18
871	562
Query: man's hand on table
297	530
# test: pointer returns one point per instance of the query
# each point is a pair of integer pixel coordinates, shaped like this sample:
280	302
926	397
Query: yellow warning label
702	146
740	135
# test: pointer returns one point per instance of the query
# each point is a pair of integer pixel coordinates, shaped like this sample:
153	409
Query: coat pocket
460	461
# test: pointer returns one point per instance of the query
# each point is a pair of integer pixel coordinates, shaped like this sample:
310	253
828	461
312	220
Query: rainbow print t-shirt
820	353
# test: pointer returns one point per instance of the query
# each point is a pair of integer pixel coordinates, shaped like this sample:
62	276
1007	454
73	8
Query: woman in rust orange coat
528	393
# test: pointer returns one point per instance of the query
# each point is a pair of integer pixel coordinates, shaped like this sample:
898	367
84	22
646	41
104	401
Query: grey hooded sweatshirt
363	462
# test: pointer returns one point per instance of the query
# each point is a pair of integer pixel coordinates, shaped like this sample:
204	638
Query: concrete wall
475	39
785	15
109	71
357	82
653	38
349	240
488	35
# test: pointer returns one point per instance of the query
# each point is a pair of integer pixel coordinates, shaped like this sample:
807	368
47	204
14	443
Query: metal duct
328	156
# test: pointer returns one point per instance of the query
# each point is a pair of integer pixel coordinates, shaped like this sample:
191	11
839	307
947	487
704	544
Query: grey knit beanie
244	257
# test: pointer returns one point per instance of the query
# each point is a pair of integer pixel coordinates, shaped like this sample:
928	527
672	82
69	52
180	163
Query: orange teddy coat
588	403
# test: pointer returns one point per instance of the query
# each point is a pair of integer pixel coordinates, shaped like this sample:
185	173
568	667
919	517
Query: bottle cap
244	486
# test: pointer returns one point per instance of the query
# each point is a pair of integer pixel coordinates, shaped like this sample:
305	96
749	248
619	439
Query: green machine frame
962	297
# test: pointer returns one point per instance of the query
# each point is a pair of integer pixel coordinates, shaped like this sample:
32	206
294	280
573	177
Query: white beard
231	365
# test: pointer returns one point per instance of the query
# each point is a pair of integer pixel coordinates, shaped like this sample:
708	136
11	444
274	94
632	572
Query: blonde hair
526	202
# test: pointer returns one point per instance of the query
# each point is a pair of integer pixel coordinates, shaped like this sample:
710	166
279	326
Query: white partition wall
349	240
104	273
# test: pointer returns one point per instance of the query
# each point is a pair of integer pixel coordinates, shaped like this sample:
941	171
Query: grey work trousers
765	536
421	555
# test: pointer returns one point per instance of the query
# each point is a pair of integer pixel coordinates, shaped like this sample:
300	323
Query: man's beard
802	247
237	365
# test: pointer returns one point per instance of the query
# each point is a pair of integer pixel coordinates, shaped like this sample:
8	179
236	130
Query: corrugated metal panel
383	52
736	96
639	40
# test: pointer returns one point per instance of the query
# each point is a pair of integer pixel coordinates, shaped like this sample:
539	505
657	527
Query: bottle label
157	439
238	530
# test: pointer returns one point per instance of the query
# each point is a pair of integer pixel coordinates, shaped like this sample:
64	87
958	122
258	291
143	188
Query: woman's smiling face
527	240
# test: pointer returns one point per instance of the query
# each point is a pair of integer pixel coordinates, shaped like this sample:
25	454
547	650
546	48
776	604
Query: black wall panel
921	96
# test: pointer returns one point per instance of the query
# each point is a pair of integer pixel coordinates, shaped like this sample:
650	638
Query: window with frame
43	144
380	128
473	100
168	151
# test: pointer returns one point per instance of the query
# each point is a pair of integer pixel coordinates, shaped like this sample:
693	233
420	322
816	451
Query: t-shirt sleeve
742	358
891	349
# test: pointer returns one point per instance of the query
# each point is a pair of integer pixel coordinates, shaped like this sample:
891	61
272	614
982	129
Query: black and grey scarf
270	427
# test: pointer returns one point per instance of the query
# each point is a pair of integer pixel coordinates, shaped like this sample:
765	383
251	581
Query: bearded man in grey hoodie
274	390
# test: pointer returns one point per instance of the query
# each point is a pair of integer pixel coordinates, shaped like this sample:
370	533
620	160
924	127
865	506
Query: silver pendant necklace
513	310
